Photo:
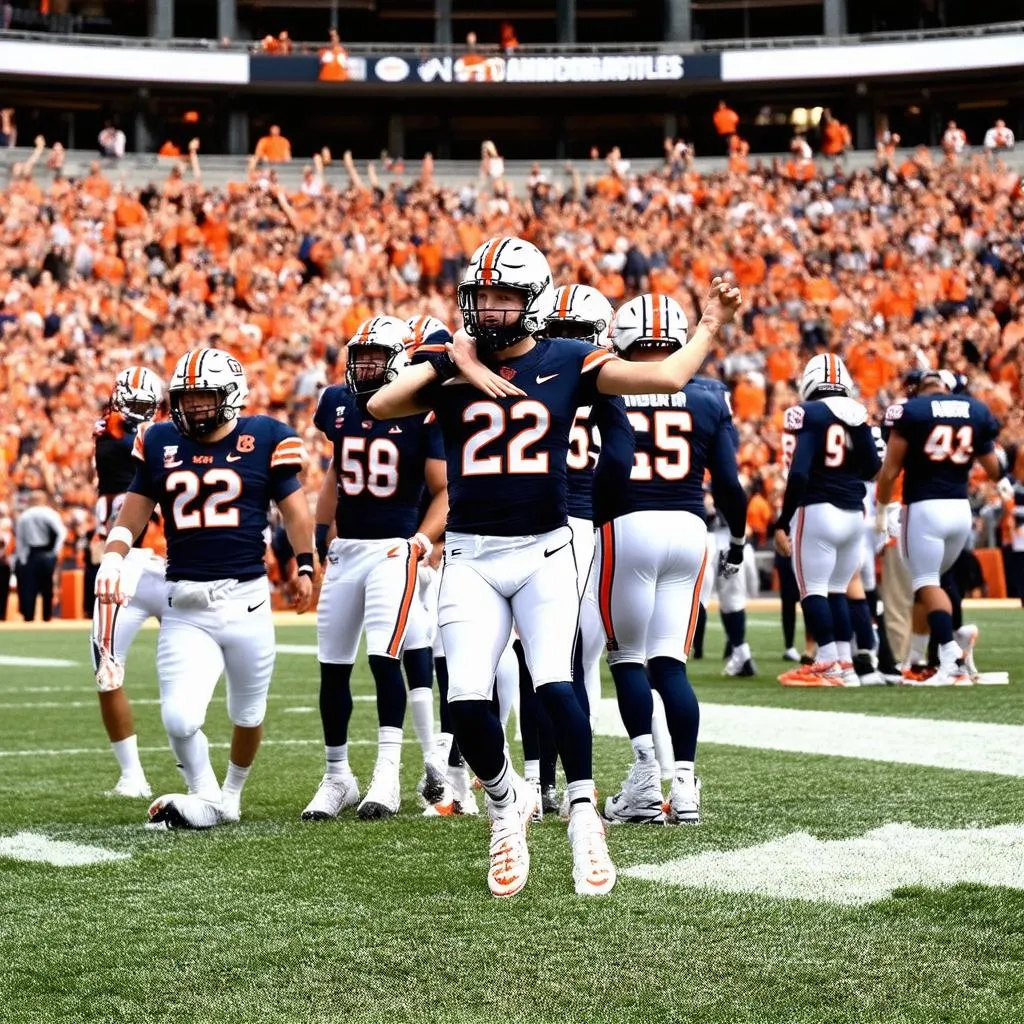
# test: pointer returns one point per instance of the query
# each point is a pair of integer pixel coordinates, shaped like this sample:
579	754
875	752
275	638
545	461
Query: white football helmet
427	329
213	372
506	262
825	373
580	312
376	354
649	322
137	394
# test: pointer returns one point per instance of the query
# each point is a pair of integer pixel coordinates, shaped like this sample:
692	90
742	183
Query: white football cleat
333	795
740	663
791	654
185	811
462	790
593	872
231	807
509	856
967	638
134	787
433	782
684	800
384	796
640	800
849	674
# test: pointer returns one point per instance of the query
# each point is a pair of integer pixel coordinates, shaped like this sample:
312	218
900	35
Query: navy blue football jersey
381	466
719	388
828	459
601	435
944	434
678	437
215	497
507	458
115	468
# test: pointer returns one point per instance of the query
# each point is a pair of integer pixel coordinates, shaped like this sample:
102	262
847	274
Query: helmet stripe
487	266
190	369
656	314
137	377
566	300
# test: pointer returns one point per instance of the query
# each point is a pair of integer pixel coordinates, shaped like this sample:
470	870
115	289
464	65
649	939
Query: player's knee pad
181	720
247	711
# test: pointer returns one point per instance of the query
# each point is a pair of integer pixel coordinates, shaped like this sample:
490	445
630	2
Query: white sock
950	654
127	753
443	746
234	781
389	747
743	652
828	653
844	649
193	753
662	737
337	760
421	700
580	791
643	747
499	789
531	771
684	771
918	648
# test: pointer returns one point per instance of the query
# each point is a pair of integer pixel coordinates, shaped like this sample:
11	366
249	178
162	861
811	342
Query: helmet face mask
136	410
208	389
199	412
137	395
574	330
581	313
494	316
370	367
649	324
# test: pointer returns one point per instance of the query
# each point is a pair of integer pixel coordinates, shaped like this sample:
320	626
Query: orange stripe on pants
797	541
411	580
695	607
604	591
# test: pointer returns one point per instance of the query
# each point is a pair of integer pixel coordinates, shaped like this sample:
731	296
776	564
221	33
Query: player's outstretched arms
299	527
113	584
620	377
462	350
402	396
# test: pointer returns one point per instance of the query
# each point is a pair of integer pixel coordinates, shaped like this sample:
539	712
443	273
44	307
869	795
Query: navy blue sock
419	668
818	619
572	730
387	674
579	686
481	739
633	691
860	616
682	712
335	702
548	748
842	626
529	707
697	647
735	625
941	625
952	588
441	671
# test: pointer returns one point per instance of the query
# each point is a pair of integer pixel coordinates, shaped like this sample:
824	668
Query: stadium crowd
912	263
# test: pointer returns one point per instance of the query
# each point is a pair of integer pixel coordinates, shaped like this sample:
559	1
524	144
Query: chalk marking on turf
364	698
78	751
30	846
298	710
852	872
17	661
935	743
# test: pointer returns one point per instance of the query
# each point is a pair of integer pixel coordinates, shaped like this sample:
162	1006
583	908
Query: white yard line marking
359	698
850	872
17	661
965	746
30	846
78	751
298	710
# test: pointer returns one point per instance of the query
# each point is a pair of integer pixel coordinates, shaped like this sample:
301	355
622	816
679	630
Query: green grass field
277	920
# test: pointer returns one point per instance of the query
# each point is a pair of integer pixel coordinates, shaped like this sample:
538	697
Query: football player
134	401
506	404
833	453
934	439
214	473
652	559
373	491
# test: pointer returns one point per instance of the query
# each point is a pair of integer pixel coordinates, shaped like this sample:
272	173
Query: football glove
730	562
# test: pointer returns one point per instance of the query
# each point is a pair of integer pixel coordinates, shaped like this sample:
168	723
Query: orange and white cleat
821	673
593	872
509	855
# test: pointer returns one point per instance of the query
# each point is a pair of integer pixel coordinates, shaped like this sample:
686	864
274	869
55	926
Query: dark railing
526	49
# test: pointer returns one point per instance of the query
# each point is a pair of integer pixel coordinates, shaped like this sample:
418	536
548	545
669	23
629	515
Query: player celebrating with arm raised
214	473
506	403
934	439
652	559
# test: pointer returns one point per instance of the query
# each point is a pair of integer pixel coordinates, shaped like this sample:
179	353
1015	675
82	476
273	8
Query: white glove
115	585
895	513
1005	488
421	545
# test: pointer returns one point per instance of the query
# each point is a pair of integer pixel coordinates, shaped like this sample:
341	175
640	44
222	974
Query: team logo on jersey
507	372
794	419
171	456
367	424
395	430
246	443
894	412
339	416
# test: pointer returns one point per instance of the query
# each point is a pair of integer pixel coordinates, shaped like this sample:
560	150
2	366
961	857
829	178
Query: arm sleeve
730	498
143	482
799	474
615	463
434	441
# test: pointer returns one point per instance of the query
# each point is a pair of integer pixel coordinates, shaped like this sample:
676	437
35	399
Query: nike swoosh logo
232	458
544	380
548	554
253	608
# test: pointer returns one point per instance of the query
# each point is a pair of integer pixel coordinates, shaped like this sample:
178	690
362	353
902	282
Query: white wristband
424	541
738	541
122	534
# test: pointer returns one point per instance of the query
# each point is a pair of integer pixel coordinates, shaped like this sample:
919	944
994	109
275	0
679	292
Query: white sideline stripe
297	649
30	846
77	751
16	661
852	872
138	701
298	710
963	746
